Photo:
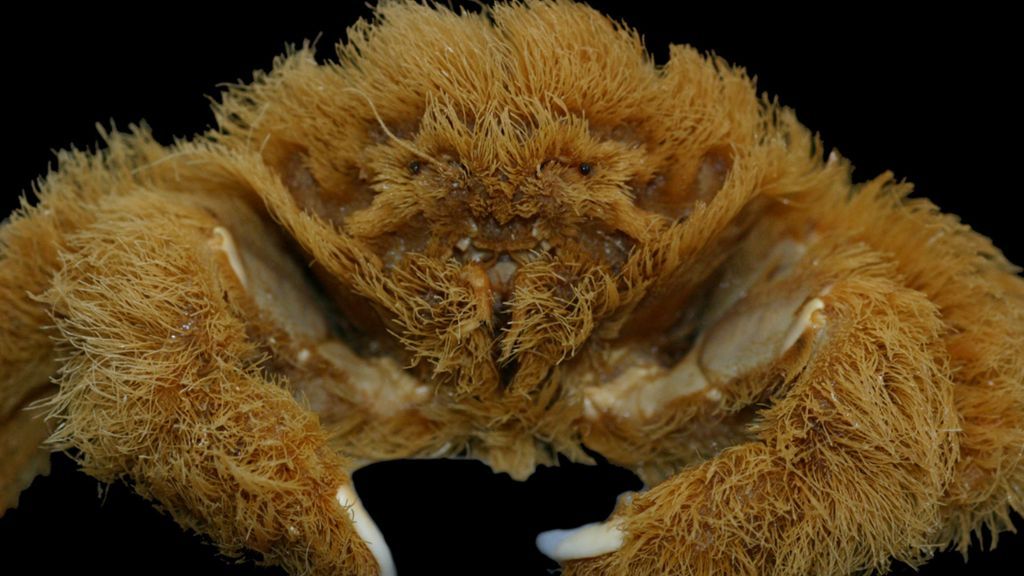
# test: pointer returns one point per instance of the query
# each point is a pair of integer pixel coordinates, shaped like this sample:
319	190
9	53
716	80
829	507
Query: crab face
497	198
496	231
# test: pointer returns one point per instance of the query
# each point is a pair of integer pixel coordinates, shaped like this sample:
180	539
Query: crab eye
414	167
585	168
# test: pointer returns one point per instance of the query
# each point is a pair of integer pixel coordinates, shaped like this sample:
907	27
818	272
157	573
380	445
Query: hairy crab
514	256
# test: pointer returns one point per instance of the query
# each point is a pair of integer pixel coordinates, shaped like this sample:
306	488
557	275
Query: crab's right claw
166	383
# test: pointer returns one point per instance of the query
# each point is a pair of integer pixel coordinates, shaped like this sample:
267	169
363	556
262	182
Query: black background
930	99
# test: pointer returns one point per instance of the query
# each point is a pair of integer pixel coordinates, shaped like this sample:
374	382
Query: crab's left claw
858	445
585	541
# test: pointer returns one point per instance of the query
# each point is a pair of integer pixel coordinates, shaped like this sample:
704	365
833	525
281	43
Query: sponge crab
516	254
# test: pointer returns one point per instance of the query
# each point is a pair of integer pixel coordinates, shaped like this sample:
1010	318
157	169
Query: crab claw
367	529
586	541
863	407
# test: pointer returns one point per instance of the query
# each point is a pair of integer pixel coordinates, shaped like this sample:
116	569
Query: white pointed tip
226	243
367	530
586	541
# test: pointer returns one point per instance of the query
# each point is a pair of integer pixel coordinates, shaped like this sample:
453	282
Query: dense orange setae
526	238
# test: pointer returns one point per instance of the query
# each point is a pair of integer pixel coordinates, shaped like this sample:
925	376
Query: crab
509	236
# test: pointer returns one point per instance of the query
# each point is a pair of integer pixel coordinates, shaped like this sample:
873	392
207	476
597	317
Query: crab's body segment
524	238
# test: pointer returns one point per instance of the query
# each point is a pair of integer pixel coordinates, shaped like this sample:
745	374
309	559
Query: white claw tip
224	242
367	530
584	542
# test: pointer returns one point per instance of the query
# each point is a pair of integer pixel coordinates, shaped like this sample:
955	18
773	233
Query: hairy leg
31	242
980	297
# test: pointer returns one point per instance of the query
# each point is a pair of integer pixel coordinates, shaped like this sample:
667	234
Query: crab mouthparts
492	281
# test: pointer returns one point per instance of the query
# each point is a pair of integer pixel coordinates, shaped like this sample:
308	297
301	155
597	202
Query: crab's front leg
843	471
189	336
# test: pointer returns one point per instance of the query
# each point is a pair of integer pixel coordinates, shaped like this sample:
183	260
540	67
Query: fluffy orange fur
525	238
